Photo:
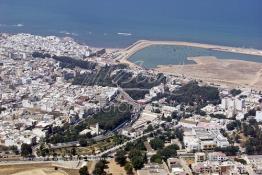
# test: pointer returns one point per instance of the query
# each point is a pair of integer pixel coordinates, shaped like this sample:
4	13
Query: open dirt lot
115	169
41	172
34	169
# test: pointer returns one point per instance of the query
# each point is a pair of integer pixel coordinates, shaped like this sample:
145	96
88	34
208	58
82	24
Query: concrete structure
201	139
258	116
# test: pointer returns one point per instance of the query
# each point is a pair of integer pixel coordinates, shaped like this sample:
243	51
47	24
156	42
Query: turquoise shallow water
155	55
99	22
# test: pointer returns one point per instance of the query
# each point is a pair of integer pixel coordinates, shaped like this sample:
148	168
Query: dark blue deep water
99	22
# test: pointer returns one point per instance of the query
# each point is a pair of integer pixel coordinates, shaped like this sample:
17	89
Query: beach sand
226	72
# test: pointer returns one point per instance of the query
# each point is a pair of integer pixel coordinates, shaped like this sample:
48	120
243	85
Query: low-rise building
153	169
202	139
217	156
258	116
175	167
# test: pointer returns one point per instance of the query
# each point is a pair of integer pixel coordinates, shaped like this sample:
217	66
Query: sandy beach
227	72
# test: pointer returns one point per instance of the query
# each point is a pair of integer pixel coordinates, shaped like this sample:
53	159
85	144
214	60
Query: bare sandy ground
35	169
226	72
115	169
41	172
26	169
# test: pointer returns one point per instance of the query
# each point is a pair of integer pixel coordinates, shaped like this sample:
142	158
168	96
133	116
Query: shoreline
141	44
233	73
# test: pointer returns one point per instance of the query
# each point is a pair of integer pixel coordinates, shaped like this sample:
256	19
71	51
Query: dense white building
258	116
202	139
235	104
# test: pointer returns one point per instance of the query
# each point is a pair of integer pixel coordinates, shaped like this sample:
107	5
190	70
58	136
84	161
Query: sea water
118	23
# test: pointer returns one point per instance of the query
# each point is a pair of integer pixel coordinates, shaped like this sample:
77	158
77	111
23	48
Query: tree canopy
156	159
120	157
235	92
129	168
26	150
169	151
137	158
157	143
83	171
100	168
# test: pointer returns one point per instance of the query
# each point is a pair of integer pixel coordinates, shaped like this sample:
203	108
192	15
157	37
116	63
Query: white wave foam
124	34
74	34
13	25
68	33
18	25
64	32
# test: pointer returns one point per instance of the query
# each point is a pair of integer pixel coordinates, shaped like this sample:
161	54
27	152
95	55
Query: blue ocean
118	23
